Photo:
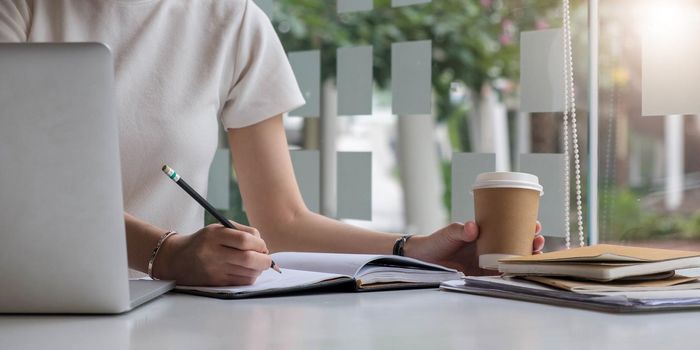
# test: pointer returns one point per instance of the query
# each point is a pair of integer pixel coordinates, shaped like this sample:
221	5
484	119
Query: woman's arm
274	206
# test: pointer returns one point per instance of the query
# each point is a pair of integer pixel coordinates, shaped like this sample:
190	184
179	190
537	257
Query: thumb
462	233
471	231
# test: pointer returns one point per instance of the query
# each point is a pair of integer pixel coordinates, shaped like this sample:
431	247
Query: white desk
413	319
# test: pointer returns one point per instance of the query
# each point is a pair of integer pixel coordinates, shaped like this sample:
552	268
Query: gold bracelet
154	254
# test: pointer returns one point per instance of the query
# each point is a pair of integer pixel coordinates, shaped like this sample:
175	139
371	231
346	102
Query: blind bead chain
570	115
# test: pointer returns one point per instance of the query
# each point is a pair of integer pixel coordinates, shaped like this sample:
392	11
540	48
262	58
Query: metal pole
593	35
674	154
329	156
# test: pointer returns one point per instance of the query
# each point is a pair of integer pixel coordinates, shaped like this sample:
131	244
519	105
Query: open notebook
328	271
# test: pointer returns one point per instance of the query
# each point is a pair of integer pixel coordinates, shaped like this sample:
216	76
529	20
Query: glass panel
307	170
465	168
220	180
670	72
355	185
267	6
550	170
541	71
455	62
397	3
648	159
410	77
307	69
345	6
355	80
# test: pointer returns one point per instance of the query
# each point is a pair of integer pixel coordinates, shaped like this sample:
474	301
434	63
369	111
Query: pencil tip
165	168
275	267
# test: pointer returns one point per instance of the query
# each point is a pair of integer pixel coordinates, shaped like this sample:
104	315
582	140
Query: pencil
203	202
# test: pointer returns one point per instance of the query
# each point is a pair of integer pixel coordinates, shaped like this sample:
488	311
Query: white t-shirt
181	66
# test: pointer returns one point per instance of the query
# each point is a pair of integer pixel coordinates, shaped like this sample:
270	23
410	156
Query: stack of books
601	277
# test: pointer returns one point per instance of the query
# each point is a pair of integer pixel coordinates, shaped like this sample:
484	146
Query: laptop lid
62	241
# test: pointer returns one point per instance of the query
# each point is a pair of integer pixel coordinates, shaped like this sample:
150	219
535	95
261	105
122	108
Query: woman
181	67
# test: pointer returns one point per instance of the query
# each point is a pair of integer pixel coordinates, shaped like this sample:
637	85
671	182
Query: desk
411	319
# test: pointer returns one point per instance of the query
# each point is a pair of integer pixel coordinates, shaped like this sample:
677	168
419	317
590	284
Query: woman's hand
455	246
213	256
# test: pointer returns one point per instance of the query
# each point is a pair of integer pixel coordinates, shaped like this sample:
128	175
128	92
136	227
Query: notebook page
353	265
386	274
271	280
345	264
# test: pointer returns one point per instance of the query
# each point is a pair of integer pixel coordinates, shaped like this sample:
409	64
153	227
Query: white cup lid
507	179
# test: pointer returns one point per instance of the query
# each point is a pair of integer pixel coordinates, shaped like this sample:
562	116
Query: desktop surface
409	319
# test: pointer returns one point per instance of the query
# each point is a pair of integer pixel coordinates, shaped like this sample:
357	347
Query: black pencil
203	202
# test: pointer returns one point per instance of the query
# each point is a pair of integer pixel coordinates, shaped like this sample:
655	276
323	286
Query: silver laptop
62	238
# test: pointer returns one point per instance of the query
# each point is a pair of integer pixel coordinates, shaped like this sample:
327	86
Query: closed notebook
602	262
337	272
677	282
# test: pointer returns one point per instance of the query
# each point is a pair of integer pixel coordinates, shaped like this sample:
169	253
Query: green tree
475	42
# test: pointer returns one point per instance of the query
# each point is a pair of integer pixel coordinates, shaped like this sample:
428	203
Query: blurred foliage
629	221
475	43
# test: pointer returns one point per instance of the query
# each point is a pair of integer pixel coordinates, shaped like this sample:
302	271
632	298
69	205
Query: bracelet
398	246
154	254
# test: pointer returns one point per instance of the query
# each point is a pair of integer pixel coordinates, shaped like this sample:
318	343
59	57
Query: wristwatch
399	244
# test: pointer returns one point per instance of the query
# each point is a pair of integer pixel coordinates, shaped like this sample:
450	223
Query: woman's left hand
455	246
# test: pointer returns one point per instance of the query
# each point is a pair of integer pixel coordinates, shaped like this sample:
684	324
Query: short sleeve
263	82
14	20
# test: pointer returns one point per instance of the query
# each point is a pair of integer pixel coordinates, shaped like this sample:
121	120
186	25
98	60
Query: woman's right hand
213	256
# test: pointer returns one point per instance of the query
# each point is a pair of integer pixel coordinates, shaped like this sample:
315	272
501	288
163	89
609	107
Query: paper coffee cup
505	207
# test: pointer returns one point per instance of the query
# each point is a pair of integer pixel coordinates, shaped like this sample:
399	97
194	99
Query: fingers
230	267
244	228
245	260
238	239
242	241
538	244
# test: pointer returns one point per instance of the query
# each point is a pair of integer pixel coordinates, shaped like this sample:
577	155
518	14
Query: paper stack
602	277
602	262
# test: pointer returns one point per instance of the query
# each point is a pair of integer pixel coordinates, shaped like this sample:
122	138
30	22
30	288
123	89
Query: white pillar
494	128
635	164
420	173
471	104
673	140
329	157
524	140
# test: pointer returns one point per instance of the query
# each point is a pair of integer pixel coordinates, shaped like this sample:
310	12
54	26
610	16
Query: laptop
62	237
